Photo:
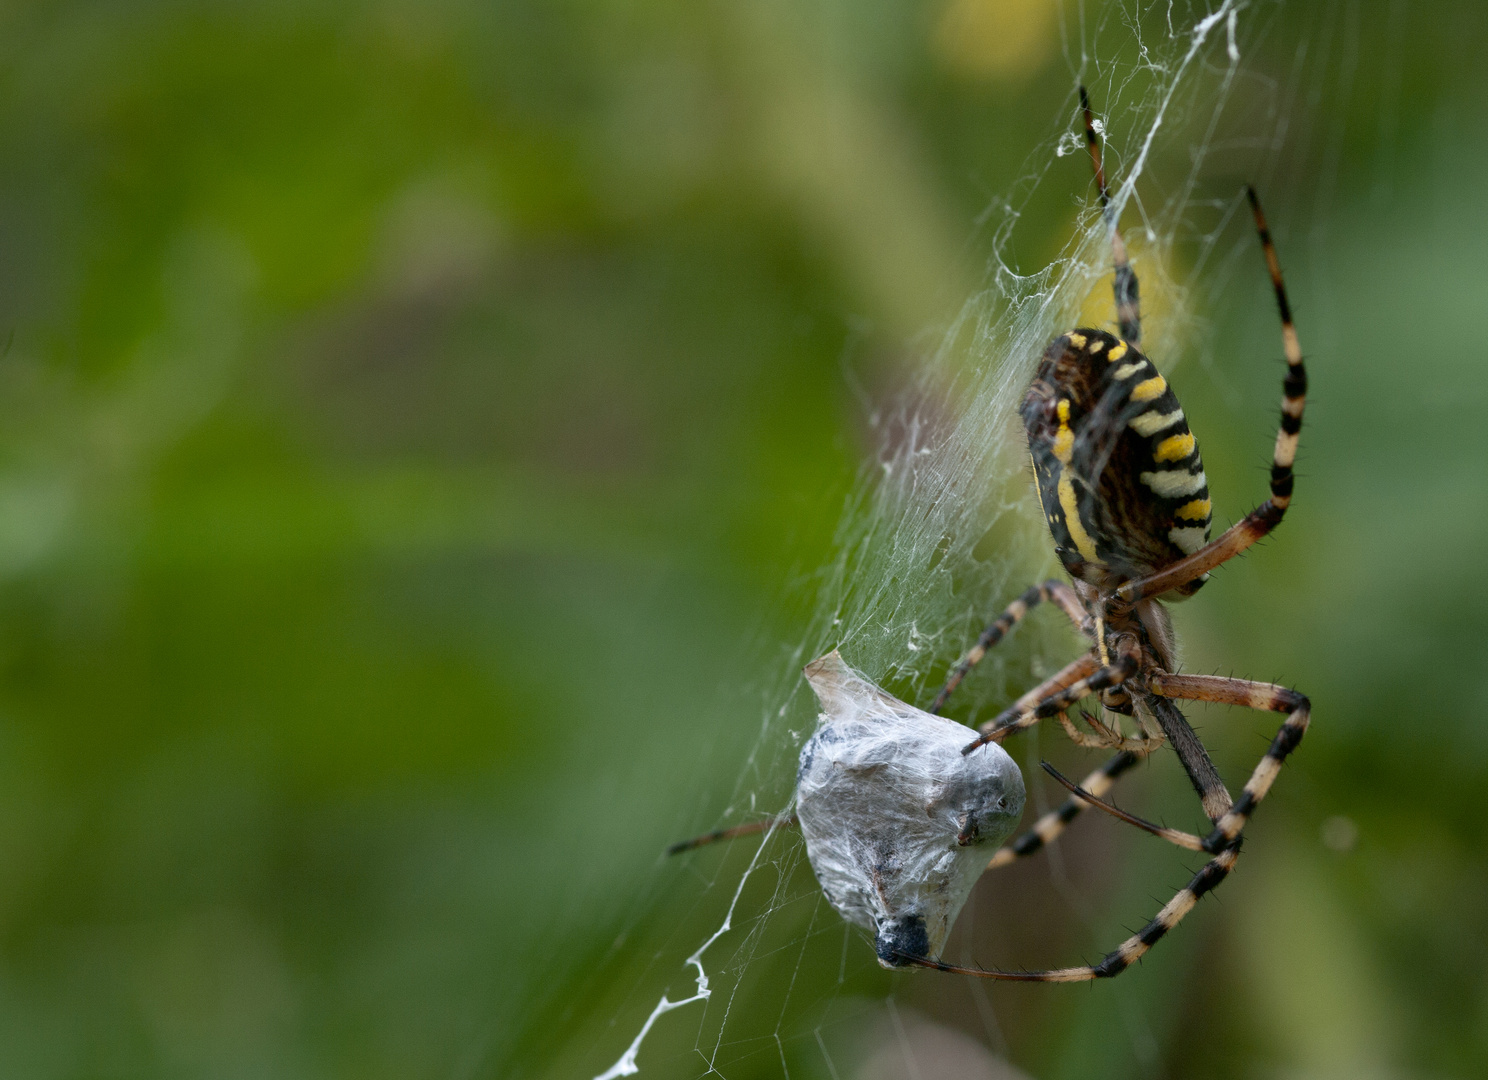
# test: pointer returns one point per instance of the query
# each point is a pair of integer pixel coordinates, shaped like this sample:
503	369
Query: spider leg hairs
899	808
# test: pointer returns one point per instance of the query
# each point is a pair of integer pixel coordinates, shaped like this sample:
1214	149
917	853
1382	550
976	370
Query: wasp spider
1124	492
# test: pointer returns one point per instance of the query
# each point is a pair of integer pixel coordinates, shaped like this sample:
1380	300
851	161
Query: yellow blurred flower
1008	40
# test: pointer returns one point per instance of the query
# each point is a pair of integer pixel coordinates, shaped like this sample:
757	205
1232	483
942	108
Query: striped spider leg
749	828
1260	521
1047	829
1056	591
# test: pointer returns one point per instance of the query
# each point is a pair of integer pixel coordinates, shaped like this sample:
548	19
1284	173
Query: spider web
941	531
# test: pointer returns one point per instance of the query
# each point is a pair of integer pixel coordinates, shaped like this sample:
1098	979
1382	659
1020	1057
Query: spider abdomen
1119	474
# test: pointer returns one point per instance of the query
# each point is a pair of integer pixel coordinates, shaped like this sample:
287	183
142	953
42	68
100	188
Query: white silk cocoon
898	824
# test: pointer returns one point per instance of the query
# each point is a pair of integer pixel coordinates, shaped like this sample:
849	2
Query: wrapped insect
895	817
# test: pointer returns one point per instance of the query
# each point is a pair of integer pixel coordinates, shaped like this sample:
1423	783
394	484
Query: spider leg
1128	301
1173	836
1129	951
1254	695
731	834
1047	828
1054	696
1268	515
1196	761
1055	591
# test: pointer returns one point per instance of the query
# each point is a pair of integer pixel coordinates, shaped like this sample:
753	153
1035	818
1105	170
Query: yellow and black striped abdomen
1118	470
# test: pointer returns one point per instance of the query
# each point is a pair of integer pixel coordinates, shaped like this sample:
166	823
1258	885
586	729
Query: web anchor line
627	1066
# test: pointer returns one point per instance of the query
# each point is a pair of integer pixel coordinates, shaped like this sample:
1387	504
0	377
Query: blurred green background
421	426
